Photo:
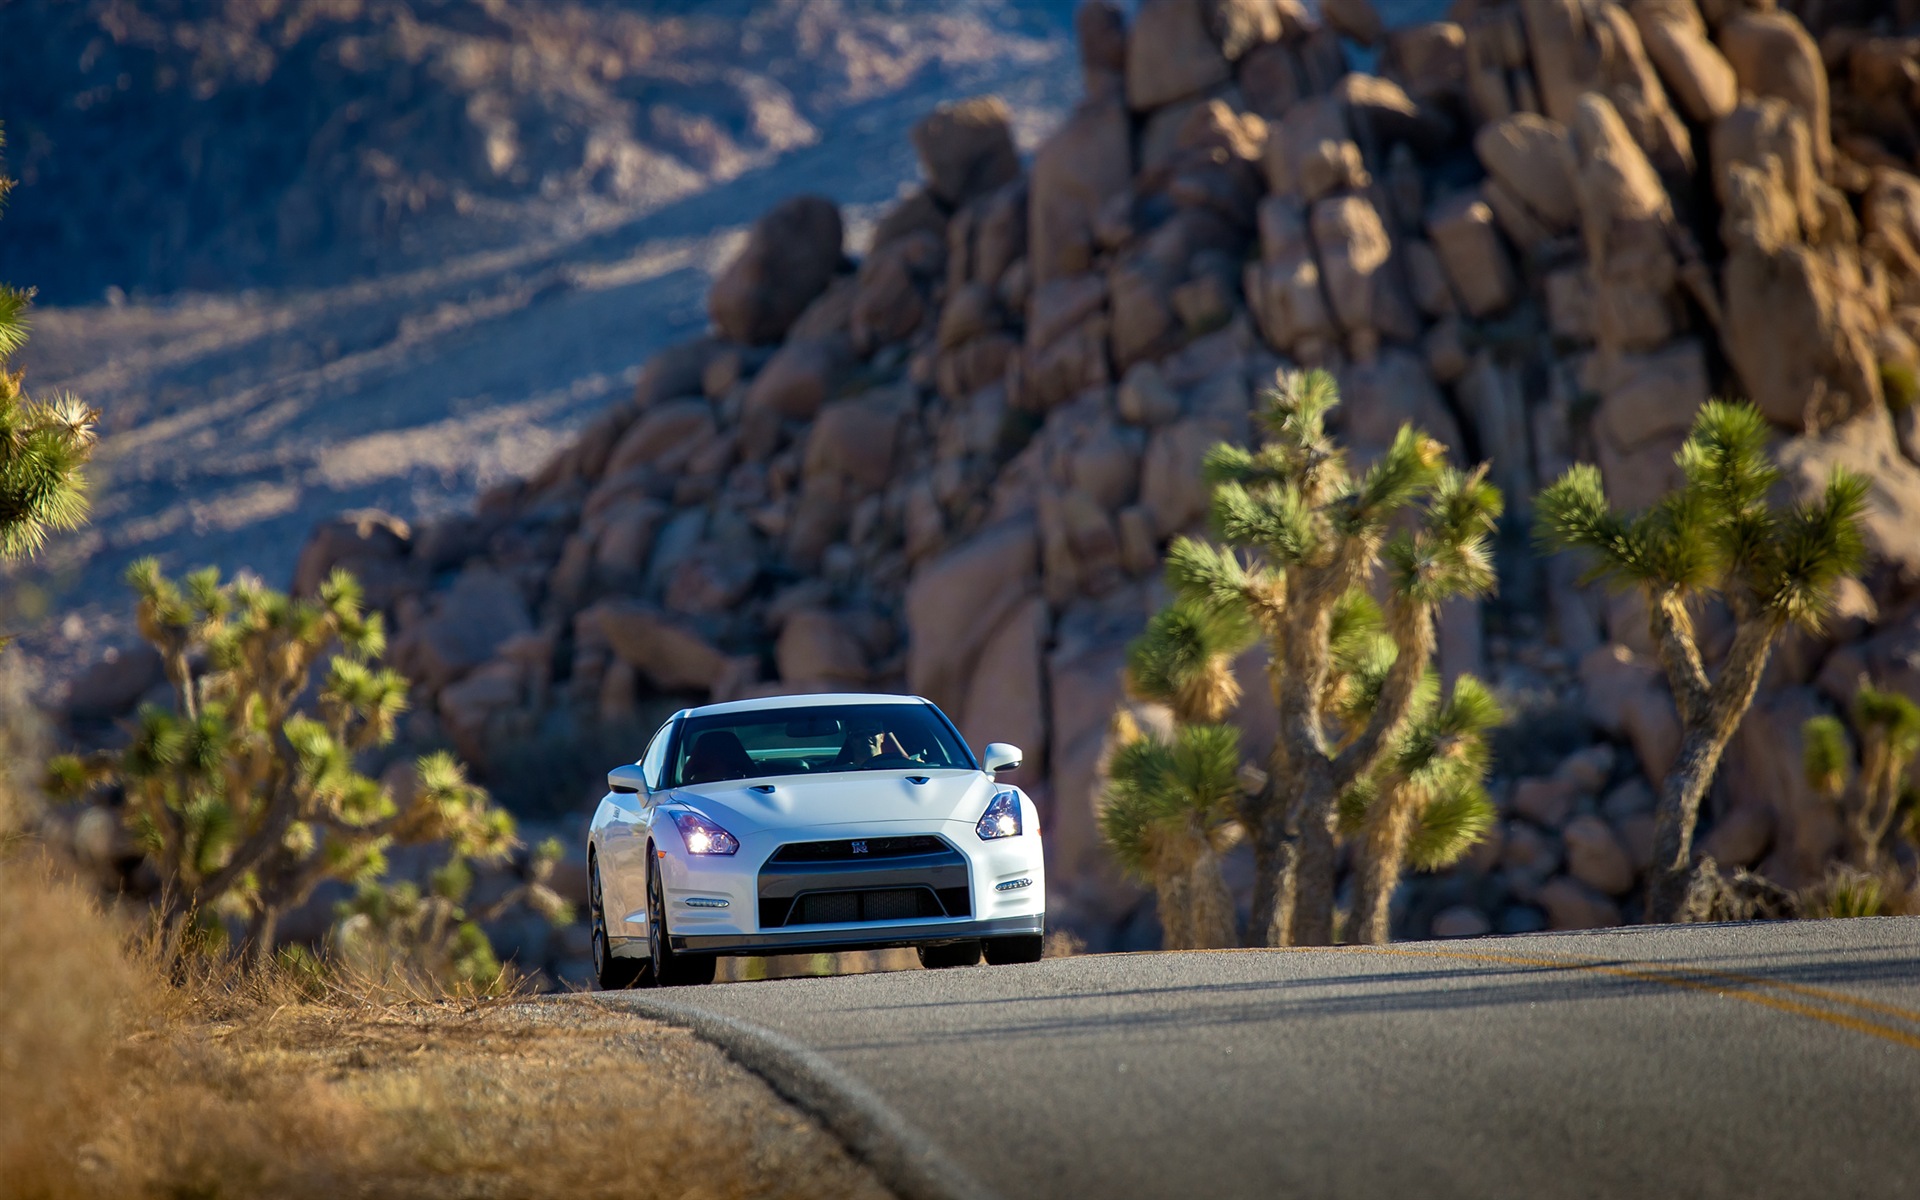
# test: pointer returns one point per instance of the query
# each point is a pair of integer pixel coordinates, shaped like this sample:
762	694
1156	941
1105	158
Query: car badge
859	847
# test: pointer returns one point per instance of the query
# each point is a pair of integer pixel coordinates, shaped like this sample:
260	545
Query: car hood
842	798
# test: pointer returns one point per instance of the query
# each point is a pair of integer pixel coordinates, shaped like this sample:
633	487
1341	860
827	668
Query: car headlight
1002	818
703	836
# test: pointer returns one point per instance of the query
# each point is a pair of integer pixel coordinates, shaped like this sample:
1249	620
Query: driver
867	738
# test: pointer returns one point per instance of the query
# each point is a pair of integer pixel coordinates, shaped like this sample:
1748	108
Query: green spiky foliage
1888	725
1426	804
1184	660
44	444
433	936
244	793
1168	812
1301	536
1718	534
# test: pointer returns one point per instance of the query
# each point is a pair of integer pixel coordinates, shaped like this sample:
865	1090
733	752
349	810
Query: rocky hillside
1546	230
212	145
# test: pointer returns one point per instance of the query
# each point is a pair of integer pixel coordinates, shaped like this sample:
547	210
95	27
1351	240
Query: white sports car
809	824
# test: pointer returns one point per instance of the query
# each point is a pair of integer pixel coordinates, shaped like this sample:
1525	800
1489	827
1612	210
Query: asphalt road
1751	1061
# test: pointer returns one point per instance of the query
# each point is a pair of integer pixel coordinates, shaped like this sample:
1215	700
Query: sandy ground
232	423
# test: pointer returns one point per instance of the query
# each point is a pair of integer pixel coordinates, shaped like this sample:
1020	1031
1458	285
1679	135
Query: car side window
654	763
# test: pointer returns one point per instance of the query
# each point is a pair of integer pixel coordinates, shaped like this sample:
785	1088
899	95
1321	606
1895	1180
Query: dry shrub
64	992
207	1080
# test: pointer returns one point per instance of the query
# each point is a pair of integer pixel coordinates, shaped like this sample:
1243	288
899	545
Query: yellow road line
1671	976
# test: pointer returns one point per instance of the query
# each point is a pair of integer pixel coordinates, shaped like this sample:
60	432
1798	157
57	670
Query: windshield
799	741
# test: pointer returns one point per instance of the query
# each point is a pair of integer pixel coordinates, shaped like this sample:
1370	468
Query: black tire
950	954
1003	951
670	968
610	974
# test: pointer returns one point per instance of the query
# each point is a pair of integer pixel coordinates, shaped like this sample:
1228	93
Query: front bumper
828	939
725	904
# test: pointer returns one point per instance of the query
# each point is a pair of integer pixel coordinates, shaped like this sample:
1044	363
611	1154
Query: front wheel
610	974
1003	951
952	954
670	968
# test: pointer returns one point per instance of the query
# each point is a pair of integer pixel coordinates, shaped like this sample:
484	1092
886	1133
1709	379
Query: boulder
671	655
1271	80
956	602
1545	801
467	708
1283	289
1579	51
1088	159
1740	838
1470	249
1377	398
1100	30
1532	157
1006	698
917	212
1772	55
370	544
1614	680
1142	322
624	538
1764	766
676	371
1626	220
1171	54
1144	397
1866	444
1799	336
1382	115
1571	904
1698	76
1173	489
790	255
1354	250
1648	398
888	304
1061	304
818	647
855	440
966	149
112	685
1355	19
1429	59
1460	921
1311	152
665	437
470	620
792	386
1595	856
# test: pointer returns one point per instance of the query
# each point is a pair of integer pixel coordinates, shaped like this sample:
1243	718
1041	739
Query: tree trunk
1709	727
1315	872
1210	905
1273	863
1173	894
1378	871
261	930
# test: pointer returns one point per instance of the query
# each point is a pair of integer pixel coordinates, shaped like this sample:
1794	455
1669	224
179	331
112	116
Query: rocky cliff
1547	230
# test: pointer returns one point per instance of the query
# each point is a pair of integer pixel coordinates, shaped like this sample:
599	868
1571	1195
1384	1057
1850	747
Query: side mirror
1000	756
626	780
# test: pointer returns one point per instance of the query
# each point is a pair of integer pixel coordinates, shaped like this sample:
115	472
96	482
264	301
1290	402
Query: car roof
815	700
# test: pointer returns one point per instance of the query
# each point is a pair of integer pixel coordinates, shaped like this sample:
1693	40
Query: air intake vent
859	849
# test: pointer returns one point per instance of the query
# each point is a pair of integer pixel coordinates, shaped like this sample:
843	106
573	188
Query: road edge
904	1158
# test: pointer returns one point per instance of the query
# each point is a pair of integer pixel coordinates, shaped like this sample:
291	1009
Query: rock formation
1548	231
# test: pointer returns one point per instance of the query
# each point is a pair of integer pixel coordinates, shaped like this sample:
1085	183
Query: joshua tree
1425	804
1168	813
1303	535
400	932
1889	728
1716	535
244	793
44	445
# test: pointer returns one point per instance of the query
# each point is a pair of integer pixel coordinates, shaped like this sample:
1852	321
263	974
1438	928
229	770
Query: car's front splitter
829	940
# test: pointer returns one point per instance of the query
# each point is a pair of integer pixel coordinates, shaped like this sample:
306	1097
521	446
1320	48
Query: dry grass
120	1082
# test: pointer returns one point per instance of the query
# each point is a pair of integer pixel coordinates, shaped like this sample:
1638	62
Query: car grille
875	904
868	849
